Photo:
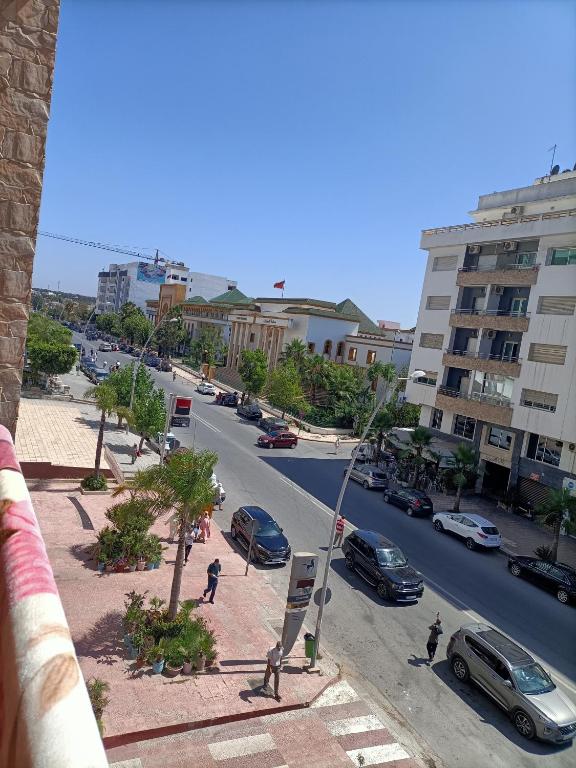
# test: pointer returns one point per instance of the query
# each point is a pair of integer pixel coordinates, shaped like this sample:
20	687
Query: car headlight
547	721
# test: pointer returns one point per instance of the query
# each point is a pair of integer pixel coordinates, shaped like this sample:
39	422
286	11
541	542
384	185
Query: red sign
183	406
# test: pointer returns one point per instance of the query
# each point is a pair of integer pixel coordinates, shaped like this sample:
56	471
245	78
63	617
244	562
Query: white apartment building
496	335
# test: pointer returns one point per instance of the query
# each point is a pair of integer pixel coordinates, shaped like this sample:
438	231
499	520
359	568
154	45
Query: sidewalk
247	619
520	536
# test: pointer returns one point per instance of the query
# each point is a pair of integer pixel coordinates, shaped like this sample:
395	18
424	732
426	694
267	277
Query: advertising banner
300	590
151	273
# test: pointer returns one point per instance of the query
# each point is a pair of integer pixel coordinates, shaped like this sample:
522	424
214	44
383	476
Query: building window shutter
532	398
547	353
431	340
444	263
438	302
556	305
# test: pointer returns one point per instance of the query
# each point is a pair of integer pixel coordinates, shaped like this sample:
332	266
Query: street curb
132	737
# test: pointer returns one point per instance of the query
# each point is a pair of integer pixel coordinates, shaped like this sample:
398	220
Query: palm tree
464	462
182	485
106	401
383	422
558	512
380	370
316	374
297	352
420	440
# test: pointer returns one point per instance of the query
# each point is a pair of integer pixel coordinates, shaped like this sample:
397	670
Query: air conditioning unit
490	334
517	210
499	290
510	245
474	250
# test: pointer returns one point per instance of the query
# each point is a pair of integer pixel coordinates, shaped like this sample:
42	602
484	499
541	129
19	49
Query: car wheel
366	484
523	724
387	498
383	591
270	445
515	569
233	532
460	668
350	562
470	543
562	596
293	445
409	511
438	526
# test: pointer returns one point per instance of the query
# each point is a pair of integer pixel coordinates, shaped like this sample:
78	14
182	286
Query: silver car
516	682
369	475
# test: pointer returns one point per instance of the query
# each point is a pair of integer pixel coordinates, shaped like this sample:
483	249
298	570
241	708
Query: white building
496	335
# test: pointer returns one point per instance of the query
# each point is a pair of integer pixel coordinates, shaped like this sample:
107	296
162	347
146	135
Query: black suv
383	565
413	501
555	577
272	424
270	546
249	411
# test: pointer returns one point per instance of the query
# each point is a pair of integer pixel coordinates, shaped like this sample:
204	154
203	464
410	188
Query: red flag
280	284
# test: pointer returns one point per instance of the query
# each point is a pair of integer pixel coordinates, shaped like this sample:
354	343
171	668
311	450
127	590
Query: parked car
383	565
270	546
251	411
272	424
170	445
517	683
475	530
98	375
278	440
415	502
368	475
229	399
205	388
105	347
166	365
153	361
555	577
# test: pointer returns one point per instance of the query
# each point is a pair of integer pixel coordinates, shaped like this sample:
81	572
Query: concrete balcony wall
46	720
514	277
491	322
476	409
482	364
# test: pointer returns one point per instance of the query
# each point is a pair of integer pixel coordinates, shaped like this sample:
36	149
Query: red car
278	440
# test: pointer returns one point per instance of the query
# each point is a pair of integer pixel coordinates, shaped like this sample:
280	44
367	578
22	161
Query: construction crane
114	248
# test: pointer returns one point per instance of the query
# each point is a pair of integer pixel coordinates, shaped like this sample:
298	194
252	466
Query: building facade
496	335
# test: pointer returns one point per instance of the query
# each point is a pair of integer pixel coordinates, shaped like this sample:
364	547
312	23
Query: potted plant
101	566
156	657
154	550
207	645
140	564
97	689
174	659
134	616
132	563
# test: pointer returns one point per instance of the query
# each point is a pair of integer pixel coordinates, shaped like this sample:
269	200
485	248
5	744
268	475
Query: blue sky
302	140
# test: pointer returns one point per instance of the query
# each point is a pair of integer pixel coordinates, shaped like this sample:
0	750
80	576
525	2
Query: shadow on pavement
357	582
82	553
101	641
418	661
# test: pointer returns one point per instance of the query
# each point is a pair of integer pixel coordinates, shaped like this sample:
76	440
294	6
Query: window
518	306
184	279
544	401
491	387
556	305
544	449
370	357
464	427
562	257
553	354
444	263
436	419
352	352
340	349
311	347
430	379
252	337
328	347
431	340
499	438
482	653
438	302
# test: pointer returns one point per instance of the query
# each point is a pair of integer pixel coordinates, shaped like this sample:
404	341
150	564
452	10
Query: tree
463	461
208	347
558	512
129	308
149	414
284	390
41	328
420	440
136	328
380	370
182	485
170	335
253	370
315	372
121	382
51	359
107	403
109	322
296	352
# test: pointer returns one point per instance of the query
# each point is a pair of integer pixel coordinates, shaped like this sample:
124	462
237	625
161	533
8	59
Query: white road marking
247	745
384	753
509	543
206	423
339	693
134	762
354	725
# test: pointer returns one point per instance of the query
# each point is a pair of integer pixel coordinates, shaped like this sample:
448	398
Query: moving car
272	424
205	388
166	365
510	676
251	411
369	476
229	399
475	530
270	546
97	375
555	577
278	440
105	347
383	565
170	445
415	502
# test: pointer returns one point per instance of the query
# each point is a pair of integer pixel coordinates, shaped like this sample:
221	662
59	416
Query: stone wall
27	48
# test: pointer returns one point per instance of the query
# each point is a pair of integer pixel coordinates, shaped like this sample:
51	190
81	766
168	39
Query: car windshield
532	679
390	558
269	529
378	475
490	530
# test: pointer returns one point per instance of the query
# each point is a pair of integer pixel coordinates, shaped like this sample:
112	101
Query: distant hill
63	295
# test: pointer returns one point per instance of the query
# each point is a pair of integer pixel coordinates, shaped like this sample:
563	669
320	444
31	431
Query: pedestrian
203	379
435	632
340	523
173	375
188	541
213	573
135	452
173	523
218	498
274	662
205	525
336	445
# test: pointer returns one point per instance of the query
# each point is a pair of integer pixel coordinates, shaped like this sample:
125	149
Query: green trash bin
309	645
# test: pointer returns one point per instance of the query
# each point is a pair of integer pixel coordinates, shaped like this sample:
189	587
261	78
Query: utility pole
166	426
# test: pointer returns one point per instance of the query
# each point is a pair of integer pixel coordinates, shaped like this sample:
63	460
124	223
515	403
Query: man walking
336	445
134	452
435	632
274	658
188	541
340	523
213	573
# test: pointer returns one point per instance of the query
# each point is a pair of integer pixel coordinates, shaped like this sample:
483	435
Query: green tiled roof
232	297
347	307
196	300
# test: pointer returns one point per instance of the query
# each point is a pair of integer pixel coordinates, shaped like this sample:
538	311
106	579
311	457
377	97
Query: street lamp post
381	401
139	361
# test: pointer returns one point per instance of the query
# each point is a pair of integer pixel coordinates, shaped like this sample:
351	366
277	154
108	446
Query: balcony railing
488	312
484	355
499	222
498	267
481	397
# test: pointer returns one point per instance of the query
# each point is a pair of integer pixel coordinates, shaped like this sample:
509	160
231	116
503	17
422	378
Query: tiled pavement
339	729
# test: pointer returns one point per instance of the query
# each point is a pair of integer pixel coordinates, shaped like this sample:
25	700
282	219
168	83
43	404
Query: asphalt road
384	644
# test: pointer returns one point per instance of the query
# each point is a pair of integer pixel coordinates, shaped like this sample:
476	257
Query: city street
380	643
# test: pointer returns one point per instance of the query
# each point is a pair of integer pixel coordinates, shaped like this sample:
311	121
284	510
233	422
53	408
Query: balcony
505	365
495	319
505	274
481	406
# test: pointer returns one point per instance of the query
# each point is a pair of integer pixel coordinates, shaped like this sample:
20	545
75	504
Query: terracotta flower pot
170	671
187	668
140	565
